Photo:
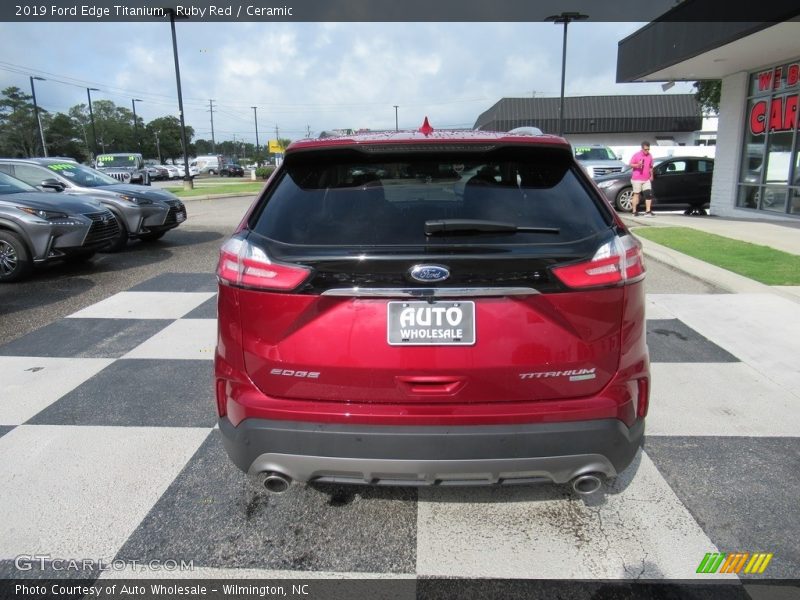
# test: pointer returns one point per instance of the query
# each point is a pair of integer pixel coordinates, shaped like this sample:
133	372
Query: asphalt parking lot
108	401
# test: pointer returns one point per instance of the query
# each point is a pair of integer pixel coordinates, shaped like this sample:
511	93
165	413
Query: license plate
180	217
431	323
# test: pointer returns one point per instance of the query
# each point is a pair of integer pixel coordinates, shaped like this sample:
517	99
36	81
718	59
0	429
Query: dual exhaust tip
275	482
585	485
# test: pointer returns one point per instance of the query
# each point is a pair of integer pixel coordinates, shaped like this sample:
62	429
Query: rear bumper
397	455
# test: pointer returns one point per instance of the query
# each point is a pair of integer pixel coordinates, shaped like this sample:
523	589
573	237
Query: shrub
264	172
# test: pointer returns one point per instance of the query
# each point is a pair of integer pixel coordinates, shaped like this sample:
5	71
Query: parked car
36	227
374	328
679	183
599	160
173	172
157	172
145	213
232	170
125	167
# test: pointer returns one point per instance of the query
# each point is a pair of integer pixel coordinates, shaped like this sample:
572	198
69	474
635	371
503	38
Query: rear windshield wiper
444	226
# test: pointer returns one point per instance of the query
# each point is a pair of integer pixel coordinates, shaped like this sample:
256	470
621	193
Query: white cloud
322	75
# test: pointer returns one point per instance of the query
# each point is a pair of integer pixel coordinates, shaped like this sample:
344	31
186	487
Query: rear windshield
353	199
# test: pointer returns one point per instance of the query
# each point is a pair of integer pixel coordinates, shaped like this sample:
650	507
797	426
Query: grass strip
229	188
760	263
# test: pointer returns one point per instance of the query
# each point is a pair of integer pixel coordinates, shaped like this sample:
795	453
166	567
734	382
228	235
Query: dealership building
666	119
757	167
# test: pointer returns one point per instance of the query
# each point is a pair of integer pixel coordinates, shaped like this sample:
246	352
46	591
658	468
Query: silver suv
37	227
143	212
598	160
124	167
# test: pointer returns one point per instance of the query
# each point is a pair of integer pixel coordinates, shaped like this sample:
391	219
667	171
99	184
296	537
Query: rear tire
15	260
624	200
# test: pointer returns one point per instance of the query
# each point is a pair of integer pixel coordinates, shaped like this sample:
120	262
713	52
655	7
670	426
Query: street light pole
91	117
36	111
188	184
255	116
396	126
136	124
565	18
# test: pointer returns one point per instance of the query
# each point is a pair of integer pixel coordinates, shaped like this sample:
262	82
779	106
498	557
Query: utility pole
213	143
91	117
255	117
36	110
188	184
277	134
158	148
566	18
136	125
396	123
308	131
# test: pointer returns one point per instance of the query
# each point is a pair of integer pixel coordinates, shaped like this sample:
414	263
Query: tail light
246	265
618	262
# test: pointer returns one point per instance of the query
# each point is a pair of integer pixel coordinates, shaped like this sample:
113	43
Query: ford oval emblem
429	273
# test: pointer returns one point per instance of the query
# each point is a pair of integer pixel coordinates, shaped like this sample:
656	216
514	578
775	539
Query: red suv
431	307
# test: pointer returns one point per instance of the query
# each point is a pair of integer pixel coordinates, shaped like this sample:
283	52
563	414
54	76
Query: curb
716	276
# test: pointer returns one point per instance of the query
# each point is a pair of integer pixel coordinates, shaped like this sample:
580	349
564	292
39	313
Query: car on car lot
157	172
125	167
143	213
598	160
36	227
679	183
173	172
375	328
232	170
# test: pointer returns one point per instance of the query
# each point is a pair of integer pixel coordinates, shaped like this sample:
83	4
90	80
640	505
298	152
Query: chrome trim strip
359	292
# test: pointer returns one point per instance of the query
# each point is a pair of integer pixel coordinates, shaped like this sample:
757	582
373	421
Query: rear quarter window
352	199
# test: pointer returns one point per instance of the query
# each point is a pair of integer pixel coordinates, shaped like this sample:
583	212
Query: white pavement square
184	339
762	330
81	491
144	305
31	384
724	399
642	530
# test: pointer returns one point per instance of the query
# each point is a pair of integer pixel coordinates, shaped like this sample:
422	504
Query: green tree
202	146
168	130
19	132
707	94
65	138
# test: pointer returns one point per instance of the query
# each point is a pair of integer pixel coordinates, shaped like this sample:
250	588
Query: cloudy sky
312	75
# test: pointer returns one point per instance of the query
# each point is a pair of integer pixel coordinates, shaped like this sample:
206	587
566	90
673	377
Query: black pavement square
178	282
134	393
670	340
211	515
207	310
85	338
4	429
741	491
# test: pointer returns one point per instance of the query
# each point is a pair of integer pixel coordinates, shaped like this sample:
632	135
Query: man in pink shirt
642	179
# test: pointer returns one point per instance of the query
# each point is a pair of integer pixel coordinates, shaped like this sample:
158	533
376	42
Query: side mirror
53	184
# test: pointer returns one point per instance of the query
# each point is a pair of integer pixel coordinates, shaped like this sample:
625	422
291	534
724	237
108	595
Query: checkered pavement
109	447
